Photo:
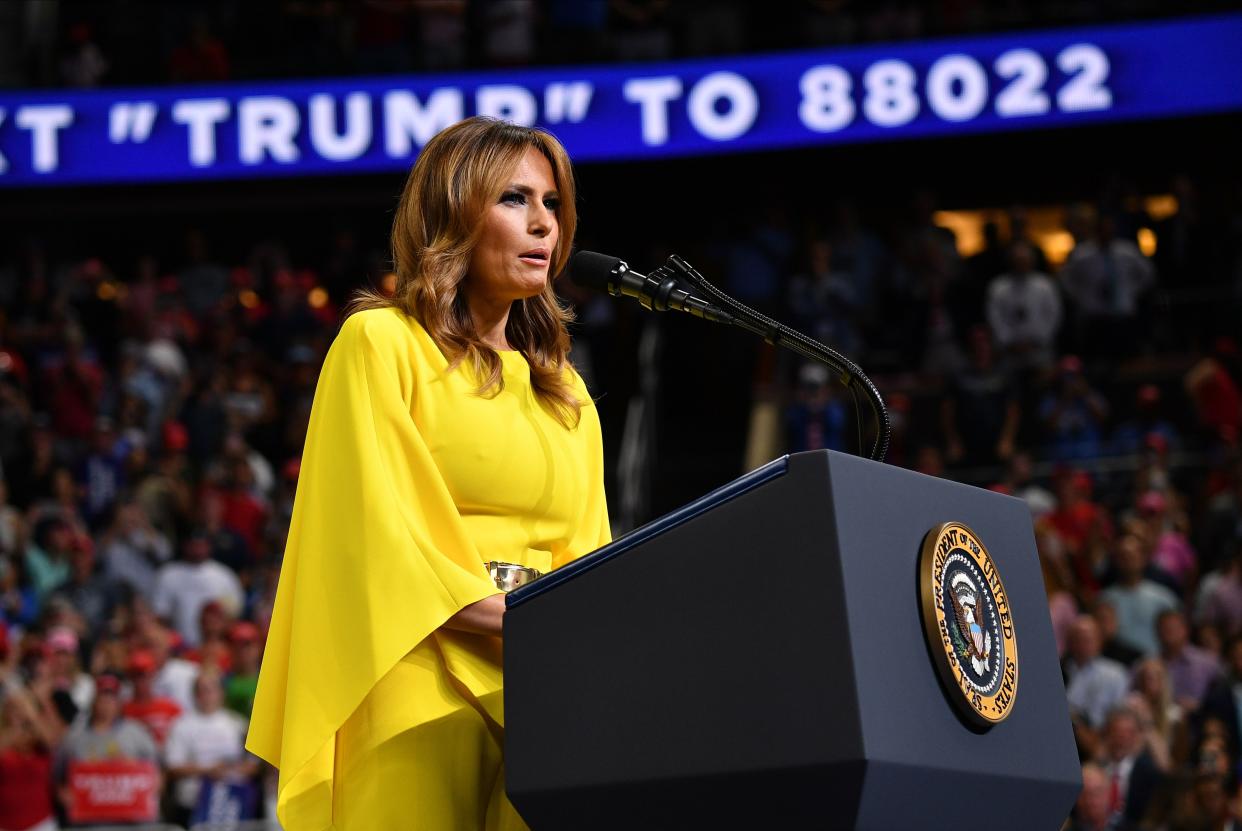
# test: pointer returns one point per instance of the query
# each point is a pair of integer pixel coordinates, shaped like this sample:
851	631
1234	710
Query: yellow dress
375	716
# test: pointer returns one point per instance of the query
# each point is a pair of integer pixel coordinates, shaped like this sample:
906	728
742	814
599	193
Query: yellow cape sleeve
376	560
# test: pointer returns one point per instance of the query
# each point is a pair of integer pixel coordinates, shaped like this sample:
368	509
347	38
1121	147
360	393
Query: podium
761	659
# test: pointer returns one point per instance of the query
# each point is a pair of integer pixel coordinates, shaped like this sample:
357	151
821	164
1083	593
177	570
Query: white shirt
183	589
1024	309
203	739
1107	281
175	680
1137	608
1095	688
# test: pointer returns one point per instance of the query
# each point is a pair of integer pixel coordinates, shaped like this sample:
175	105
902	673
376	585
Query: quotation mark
131	121
567	101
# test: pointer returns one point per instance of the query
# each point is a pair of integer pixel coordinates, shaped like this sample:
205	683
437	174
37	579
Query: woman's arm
483	617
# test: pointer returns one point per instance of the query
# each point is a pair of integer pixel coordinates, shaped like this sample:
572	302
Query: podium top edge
747	482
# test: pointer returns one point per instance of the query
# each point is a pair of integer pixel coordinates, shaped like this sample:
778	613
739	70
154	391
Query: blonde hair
458	175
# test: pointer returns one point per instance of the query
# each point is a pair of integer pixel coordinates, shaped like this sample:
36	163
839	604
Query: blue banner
1021	81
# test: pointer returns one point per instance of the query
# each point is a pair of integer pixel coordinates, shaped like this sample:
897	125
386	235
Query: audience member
206	744
824	302
29	735
1020	481
1024	311
132	549
816	419
90	592
1163	720
1073	414
65	670
1171	552
1094	684
1219	601
1191	669
1106	278
153	711
1220	702
1137	600
1094	810
104	735
243	678
201	57
1132	773
980	415
1131	437
183	587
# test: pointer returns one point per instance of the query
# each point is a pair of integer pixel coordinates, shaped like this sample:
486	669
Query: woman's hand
483	617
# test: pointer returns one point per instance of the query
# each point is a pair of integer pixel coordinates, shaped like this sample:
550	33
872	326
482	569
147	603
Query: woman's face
519	234
1150	681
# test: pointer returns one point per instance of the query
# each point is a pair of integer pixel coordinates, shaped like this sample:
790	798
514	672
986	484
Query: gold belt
509	576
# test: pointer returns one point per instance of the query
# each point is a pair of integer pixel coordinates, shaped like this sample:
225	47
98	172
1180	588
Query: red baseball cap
244	632
140	662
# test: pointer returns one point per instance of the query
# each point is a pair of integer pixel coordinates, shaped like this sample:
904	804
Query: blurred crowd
150	429
1103	390
86	43
153	409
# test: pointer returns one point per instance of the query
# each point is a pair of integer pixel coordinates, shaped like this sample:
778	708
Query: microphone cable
778	334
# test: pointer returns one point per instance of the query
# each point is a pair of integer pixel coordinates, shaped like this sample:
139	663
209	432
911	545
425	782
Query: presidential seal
968	623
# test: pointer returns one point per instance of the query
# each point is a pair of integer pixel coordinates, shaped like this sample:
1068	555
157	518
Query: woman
448	430
1165	727
29	734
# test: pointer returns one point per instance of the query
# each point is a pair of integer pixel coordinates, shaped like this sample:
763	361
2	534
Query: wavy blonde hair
458	175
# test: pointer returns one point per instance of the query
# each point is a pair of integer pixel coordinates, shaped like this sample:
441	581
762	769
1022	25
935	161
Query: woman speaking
448	431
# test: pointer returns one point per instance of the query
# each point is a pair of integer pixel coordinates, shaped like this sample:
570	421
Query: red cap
176	437
244	632
141	662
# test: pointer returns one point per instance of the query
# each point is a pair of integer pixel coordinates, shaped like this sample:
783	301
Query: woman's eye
552	204
513	197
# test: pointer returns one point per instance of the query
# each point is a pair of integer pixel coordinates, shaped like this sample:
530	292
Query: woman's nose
540	220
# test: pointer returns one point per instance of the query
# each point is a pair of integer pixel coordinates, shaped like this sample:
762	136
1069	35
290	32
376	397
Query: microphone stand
778	334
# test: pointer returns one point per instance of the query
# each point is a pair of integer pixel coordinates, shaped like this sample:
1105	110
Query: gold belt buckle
509	576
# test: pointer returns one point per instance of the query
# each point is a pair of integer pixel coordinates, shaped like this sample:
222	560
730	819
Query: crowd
152	414
1090	391
83	43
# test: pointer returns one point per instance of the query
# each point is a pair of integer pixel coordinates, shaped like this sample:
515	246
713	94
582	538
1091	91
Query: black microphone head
594	271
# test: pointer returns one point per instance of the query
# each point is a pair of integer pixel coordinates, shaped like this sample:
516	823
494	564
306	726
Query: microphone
659	291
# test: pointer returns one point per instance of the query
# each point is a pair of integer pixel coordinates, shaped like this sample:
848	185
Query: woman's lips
538	258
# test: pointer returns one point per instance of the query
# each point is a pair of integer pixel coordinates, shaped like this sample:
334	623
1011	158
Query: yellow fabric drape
410	481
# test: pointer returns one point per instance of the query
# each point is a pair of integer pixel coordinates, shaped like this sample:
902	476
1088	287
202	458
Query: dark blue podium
758	660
